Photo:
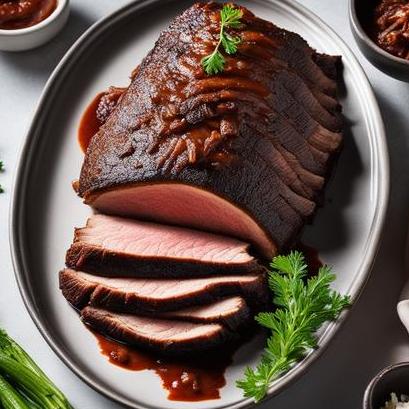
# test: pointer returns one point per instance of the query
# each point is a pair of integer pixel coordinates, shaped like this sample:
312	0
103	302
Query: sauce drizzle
312	258
96	114
190	380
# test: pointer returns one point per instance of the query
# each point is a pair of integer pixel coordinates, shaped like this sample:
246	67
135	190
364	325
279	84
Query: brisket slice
158	295
233	312
245	153
162	335
118	247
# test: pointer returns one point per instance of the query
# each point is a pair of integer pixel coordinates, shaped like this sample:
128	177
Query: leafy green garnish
303	305
230	18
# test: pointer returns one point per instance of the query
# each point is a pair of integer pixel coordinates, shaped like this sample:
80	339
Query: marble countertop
372	337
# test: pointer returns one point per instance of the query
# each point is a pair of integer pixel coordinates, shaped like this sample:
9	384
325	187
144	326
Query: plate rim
380	164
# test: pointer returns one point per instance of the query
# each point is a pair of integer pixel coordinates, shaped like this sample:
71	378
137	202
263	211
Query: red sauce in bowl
16	14
390	27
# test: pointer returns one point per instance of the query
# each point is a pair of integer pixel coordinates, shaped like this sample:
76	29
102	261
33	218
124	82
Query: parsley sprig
230	18
303	305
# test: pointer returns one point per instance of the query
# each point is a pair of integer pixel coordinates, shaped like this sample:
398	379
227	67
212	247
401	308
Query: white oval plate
45	209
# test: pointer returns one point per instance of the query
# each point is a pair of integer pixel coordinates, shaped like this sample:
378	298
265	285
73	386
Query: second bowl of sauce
19	14
390	27
381	29
26	24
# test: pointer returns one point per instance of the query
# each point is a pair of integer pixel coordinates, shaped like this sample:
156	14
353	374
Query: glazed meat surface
245	153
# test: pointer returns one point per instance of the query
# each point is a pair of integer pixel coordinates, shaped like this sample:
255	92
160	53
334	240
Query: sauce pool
89	123
96	114
312	258
189	380
17	14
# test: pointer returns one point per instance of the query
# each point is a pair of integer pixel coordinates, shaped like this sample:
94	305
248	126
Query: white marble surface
373	336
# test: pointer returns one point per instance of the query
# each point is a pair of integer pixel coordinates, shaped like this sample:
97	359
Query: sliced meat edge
183	205
158	295
165	336
118	247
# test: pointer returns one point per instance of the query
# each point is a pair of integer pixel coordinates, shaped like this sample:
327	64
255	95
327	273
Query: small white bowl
34	36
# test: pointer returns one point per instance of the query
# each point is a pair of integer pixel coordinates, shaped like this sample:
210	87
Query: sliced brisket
118	247
165	336
209	165
158	295
245	153
232	312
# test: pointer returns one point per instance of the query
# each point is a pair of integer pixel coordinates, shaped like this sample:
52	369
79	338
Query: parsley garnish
303	305
230	18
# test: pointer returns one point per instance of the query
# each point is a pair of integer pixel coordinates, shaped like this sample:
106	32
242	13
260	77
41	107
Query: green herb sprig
230	18
303	305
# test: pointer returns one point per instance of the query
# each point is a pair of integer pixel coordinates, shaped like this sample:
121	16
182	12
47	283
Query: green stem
9	397
37	388
220	38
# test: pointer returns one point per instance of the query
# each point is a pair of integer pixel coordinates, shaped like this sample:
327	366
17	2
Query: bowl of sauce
26	24
381	29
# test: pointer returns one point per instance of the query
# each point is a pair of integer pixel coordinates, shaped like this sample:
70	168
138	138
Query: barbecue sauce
96	114
390	27
16	14
190	380
200	142
311	257
89	123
